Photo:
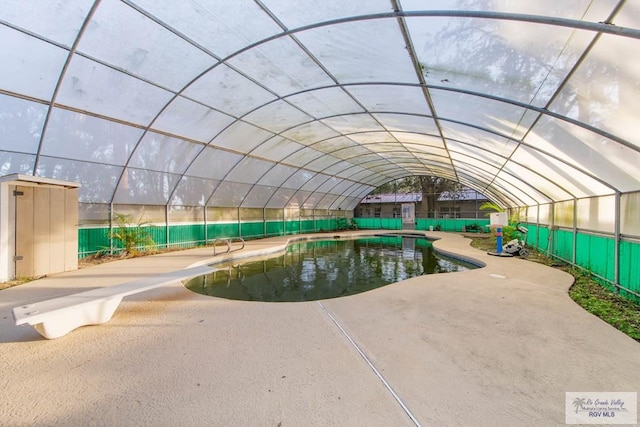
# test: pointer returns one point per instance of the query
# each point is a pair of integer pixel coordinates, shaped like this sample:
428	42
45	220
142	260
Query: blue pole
499	240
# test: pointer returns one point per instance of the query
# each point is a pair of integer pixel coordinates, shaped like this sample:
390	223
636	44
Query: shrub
133	237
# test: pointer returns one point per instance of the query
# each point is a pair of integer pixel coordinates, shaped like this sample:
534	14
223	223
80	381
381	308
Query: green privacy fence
274	228
96	239
379	223
442	224
630	266
456	224
594	253
92	240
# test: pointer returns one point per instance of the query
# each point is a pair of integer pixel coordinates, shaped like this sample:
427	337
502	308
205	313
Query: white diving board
58	316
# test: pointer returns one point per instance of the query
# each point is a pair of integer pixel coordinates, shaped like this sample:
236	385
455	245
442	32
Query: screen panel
163	153
226	90
35	74
193	191
93	87
98	181
21	124
220	27
249	170
259	196
279	64
229	194
146	187
213	163
361	51
123	37
192	120
82	137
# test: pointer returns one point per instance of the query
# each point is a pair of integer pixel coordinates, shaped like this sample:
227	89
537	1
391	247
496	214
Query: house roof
464	195
393	198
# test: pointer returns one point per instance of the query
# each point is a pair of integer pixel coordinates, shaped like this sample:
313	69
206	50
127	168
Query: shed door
45	231
24	231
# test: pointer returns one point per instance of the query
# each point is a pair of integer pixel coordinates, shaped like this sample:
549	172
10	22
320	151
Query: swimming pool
316	270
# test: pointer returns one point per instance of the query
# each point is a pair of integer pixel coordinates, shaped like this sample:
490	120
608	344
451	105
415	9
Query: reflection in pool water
326	269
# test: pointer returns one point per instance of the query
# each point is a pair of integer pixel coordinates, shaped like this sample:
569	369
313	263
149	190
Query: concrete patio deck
495	346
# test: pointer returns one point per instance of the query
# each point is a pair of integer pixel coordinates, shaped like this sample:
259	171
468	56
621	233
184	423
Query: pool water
319	270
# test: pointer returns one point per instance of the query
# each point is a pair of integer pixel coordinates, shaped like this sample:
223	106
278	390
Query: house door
408	216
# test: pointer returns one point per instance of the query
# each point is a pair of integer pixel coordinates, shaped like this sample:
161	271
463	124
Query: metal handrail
228	241
241	240
222	240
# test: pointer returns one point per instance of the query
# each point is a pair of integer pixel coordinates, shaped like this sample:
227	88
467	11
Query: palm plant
491	206
131	237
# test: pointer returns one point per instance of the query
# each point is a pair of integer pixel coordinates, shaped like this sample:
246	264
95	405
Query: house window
447	212
376	211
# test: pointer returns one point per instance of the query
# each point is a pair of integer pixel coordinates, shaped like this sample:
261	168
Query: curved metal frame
400	16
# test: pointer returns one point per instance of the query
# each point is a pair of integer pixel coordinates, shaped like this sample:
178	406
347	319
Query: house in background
463	204
387	205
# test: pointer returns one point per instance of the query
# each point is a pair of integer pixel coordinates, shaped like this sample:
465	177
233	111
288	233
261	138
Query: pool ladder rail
228	241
